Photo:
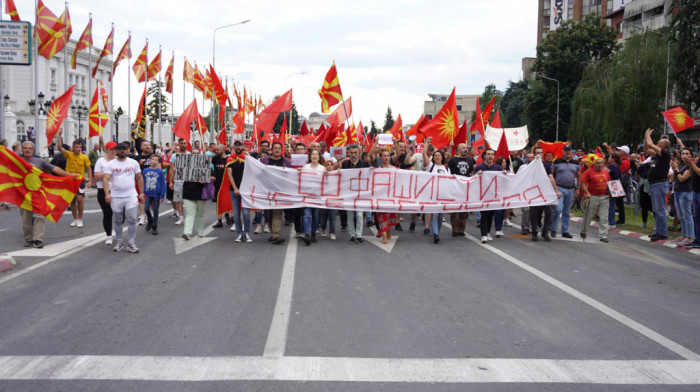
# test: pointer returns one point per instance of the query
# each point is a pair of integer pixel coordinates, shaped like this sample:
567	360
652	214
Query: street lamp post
548	78
213	64
289	125
80	111
668	64
5	102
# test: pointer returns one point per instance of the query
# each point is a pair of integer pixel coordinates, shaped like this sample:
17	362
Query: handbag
208	191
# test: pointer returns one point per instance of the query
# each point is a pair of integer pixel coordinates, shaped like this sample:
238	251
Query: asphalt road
212	314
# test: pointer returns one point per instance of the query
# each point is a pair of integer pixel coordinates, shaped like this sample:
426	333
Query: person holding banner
437	165
385	220
234	172
276	159
460	165
194	199
536	212
311	215
487	216
355	219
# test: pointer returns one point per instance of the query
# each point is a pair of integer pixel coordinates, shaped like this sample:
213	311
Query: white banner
389	190
517	138
558	13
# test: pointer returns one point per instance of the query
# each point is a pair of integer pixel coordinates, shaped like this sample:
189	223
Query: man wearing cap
594	184
100	168
658	182
122	195
567	176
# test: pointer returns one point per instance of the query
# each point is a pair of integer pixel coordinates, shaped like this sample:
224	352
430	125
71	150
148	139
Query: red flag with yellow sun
678	119
444	126
27	187
57	113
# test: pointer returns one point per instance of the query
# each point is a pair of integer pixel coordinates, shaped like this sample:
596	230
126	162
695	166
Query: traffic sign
15	43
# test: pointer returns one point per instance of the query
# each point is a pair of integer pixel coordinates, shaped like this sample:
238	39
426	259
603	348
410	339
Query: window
459	108
21	131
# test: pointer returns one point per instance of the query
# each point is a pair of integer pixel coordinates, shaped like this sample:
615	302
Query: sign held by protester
517	138
193	168
389	190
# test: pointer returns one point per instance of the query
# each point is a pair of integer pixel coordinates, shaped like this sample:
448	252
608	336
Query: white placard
517	138
385	139
299	160
193	167
338	151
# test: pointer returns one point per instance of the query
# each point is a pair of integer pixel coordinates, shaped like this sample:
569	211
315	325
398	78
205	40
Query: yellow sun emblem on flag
52	118
448	126
680	119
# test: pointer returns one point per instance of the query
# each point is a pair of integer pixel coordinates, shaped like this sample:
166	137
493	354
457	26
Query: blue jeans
327	219
435	223
696	215
155	202
684	209
658	193
498	217
563	209
236	201
310	220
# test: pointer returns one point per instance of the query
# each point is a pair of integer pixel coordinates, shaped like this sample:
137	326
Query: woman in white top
311	215
100	167
437	165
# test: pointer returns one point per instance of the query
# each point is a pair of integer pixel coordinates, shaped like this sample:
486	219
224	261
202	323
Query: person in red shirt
594	183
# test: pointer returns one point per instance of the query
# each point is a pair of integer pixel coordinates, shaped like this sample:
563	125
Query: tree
685	52
373	130
489	92
152	110
618	98
388	120
512	104
563	55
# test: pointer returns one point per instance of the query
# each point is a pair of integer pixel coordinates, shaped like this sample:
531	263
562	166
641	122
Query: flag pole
110	109
160	93
36	65
128	77
88	142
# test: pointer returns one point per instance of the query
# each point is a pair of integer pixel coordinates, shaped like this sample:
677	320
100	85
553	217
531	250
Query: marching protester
386	220
311	215
537	211
194	195
34	224
594	184
218	162
118	182
234	171
154	182
487	216
76	163
567	176
144	160
355	219
276	159
438	166
100	168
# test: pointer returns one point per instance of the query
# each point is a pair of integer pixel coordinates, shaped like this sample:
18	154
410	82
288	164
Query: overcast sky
388	53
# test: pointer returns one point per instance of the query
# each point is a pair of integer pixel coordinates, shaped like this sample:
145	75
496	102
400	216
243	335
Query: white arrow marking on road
182	245
61	247
66	212
378	241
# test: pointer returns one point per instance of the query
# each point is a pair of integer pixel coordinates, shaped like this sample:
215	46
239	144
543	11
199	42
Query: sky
388	53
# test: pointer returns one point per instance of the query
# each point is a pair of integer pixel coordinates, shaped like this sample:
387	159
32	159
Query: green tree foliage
563	55
618	98
373	130
685	52
489	92
152	93
388	120
117	113
512	104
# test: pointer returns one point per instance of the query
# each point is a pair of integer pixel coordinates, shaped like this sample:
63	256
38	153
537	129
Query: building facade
26	105
549	12
466	105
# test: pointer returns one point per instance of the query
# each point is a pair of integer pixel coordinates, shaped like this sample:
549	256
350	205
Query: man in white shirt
122	195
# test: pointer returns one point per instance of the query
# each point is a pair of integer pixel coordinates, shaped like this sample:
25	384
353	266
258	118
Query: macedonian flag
330	91
444	126
27	187
678	119
57	113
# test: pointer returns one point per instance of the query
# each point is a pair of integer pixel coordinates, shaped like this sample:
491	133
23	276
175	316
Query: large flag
330	91
84	42
461	137
138	128
182	126
103	95
198	79
28	187
556	148
169	76
106	51
97	119
396	130
188	72
486	113
141	65
124	53
51	31
414	129
154	68
11	10
304	130
268	117
443	127
57	113
496	123
341	113
239	121
503	150
678	119
219	92
478	124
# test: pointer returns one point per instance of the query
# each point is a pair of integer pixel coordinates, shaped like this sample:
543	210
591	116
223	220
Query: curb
7	262
643	237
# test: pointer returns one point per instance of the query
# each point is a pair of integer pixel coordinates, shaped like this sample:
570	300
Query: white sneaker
239	238
332	236
108	241
132	248
233	227
80	223
299	235
499	234
267	228
508	223
323	232
248	239
258	229
179	221
142	220
201	235
488	237
74	223
484	239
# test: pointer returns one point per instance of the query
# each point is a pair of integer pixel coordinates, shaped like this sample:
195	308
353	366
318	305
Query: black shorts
81	190
169	194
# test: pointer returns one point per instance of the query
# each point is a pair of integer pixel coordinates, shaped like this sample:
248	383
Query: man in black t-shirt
276	159
354	219
658	182
219	163
144	160
460	165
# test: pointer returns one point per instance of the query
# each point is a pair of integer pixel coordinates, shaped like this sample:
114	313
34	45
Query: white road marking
639	328
182	245
441	370
378	241
67	253
66	212
51	250
277	336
